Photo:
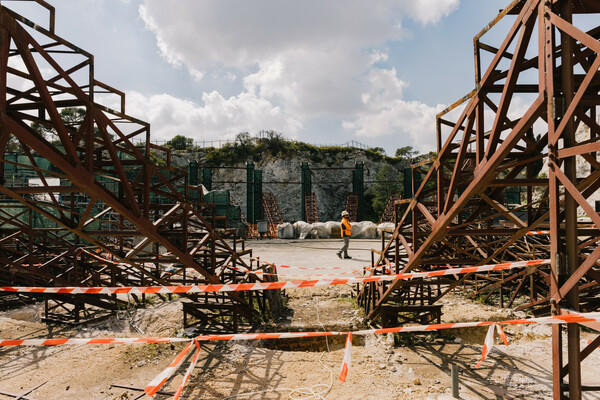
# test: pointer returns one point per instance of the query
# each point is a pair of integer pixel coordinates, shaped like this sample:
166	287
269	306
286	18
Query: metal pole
250	192
572	257
454	373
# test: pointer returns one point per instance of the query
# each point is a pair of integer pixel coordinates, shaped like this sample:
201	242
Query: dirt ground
409	367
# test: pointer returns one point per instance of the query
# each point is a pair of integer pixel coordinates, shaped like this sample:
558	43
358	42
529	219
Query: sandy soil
409	367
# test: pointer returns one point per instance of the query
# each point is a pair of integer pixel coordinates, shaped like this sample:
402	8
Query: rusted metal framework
389	211
352	206
310	207
535	103
102	213
271	213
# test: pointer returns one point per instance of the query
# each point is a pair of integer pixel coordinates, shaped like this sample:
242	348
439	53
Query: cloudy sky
322	71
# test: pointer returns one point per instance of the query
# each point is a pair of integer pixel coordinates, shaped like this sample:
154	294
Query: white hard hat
345	213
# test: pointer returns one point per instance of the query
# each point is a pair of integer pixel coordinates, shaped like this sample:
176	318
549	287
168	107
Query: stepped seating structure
271	209
352	206
388	212
101	213
310	207
271	212
464	211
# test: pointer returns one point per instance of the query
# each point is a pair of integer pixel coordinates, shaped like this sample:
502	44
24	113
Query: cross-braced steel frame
103	213
495	150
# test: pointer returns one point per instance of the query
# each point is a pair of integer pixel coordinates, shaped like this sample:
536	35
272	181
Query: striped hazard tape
538	233
346	362
74	341
157	383
358	271
202	338
162	378
106	260
241	287
188	372
366	268
489	342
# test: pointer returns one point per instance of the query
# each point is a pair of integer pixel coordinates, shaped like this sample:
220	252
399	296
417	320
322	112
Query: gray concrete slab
314	258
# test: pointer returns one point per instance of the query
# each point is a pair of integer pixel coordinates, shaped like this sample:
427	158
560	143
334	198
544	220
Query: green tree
180	142
387	183
72	117
14	145
274	142
243	138
406	152
379	150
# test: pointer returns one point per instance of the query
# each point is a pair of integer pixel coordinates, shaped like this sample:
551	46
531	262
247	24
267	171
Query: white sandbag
331	224
364	230
285	231
319	231
302	230
334	229
385	226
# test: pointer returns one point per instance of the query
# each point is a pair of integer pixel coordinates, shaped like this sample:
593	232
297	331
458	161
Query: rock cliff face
282	176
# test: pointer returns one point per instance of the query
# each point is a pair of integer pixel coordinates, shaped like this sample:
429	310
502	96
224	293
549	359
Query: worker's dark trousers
344	248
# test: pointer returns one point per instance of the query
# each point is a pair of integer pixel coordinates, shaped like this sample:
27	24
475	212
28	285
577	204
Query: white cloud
218	117
311	83
197	75
385	113
429	11
306	59
378	57
240	33
23	84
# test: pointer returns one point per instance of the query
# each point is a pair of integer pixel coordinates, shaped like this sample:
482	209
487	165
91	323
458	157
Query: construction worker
346	234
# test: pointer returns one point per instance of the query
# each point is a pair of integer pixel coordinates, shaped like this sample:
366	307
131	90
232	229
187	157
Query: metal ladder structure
271	211
352	206
310	206
388	212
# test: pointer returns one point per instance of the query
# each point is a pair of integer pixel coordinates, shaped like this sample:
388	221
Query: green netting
218	197
18	170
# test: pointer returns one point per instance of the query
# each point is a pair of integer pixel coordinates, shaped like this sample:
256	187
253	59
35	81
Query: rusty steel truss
535	106
103	213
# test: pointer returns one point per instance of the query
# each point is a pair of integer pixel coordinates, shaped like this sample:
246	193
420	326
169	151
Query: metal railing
218	143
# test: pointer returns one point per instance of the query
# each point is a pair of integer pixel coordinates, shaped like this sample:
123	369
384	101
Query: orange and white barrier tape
241	287
76	341
347	361
261	273
538	233
164	376
202	338
557	319
160	380
367	268
99	258
188	372
106	260
489	342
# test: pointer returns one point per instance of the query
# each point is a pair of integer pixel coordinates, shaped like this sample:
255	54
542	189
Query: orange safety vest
346	228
